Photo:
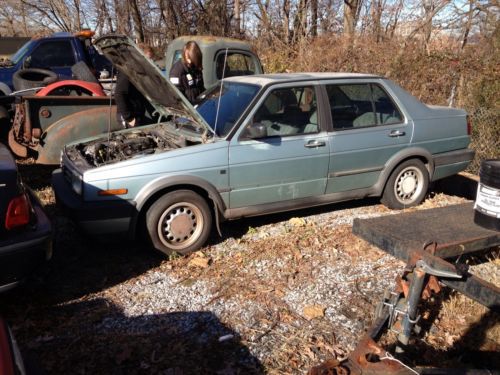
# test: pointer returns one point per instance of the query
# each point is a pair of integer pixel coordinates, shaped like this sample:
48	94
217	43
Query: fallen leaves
200	260
297	222
314	311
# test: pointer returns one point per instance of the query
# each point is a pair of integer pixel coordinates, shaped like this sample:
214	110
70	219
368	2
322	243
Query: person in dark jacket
131	104
187	72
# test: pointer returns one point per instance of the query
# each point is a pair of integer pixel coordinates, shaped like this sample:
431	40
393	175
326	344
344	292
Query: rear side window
237	64
361	105
53	54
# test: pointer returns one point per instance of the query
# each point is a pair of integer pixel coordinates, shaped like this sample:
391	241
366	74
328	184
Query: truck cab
222	57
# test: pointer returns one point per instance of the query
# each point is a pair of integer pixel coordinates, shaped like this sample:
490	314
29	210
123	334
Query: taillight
469	125
18	212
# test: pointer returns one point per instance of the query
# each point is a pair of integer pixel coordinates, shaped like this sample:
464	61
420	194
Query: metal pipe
410	318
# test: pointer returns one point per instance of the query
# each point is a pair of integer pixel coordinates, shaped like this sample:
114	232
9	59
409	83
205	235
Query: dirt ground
276	294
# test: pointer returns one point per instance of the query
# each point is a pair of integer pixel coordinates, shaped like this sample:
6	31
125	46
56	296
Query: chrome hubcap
408	185
180	225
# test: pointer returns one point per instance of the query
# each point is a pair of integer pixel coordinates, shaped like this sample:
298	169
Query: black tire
407	185
82	72
31	78
179	221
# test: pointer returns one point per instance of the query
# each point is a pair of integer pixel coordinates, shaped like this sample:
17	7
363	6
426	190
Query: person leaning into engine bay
187	72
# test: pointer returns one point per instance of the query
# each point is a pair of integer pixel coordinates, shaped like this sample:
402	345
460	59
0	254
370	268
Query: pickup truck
222	57
56	53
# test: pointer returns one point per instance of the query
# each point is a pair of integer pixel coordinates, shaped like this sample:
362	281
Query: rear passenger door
288	159
368	128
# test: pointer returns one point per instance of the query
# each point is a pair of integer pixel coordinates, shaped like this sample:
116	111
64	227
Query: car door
281	153
368	128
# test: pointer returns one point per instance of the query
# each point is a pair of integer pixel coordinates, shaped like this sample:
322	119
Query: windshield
21	52
233	102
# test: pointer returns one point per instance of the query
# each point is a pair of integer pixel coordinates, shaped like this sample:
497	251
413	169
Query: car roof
205	41
265	79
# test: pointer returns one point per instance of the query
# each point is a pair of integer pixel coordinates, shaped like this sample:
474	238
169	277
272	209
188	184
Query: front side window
287	111
361	105
236	64
53	54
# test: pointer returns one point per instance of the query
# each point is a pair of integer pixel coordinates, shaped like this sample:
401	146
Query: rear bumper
450	163
24	250
100	219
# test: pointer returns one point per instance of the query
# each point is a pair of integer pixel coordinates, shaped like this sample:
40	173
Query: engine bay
123	146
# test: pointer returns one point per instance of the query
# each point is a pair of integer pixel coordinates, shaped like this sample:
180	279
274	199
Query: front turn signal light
105	193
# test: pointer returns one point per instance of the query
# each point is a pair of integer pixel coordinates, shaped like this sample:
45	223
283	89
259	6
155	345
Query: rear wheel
179	221
407	185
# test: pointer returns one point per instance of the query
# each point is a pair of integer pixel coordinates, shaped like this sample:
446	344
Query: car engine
123	146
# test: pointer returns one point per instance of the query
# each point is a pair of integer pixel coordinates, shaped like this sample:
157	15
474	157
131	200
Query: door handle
396	133
314	144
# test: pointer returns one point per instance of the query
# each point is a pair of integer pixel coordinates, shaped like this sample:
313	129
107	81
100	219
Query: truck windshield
21	52
234	100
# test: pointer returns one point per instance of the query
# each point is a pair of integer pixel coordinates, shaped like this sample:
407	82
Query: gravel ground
273	295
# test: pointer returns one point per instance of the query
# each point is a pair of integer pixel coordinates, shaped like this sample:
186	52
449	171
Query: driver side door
282	152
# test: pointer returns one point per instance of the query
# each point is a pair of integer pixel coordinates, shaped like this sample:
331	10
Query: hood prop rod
220	92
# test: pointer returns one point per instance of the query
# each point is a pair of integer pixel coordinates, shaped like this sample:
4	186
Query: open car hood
149	79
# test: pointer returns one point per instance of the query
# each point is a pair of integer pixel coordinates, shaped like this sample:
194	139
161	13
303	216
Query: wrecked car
255	145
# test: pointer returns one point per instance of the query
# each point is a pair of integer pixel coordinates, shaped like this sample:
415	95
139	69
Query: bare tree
237	18
314	18
136	17
351	9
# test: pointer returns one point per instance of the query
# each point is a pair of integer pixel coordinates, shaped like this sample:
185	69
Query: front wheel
179	221
407	185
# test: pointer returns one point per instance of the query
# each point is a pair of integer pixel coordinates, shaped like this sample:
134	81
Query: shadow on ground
95	337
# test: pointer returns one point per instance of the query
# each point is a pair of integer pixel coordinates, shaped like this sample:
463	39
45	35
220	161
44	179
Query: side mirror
256	130
27	62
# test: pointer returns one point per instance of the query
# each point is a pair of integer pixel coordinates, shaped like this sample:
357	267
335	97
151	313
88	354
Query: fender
395	160
5	89
79	125
162	183
94	88
166	182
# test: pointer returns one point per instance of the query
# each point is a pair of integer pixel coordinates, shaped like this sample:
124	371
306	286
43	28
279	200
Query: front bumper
26	249
100	219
